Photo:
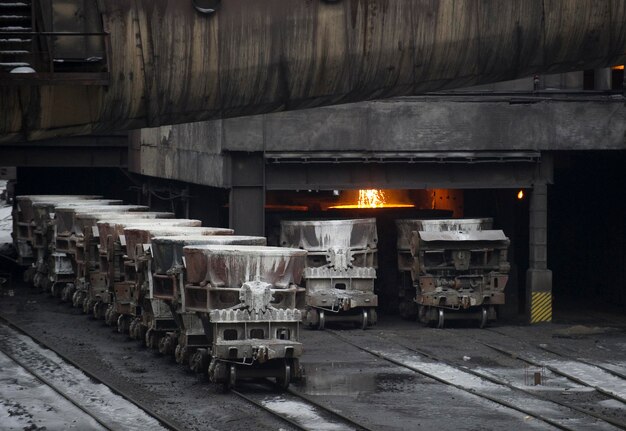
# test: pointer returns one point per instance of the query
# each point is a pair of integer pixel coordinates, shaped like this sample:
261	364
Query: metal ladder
16	16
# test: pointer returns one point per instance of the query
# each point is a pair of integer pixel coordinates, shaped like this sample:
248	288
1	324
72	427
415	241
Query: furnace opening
388	206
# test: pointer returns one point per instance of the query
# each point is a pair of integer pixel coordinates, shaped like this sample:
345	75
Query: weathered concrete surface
190	152
452	124
170	64
198	152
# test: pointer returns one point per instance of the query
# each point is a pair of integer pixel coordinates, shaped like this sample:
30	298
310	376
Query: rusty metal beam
171	64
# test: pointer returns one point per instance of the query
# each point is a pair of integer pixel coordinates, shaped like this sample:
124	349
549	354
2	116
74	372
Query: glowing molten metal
372	198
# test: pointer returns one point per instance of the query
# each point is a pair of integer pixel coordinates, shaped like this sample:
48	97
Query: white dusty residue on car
6	221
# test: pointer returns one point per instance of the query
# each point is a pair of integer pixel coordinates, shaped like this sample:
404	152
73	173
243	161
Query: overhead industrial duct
167	62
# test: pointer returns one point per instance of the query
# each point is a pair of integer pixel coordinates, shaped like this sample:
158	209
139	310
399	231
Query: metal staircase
55	42
16	50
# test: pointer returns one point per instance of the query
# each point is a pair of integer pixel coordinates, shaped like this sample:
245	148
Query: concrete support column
572	80
538	276
247	194
563	81
602	79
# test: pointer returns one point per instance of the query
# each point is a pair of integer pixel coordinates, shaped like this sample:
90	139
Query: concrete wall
450	124
189	152
198	152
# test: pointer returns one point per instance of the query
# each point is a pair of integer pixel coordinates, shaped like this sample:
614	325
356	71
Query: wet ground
396	376
26	403
185	398
42	391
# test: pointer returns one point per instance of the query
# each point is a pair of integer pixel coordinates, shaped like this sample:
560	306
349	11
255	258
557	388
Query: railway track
568	356
583	372
559	415
9	364
581	381
516	355
110	407
297	410
300	412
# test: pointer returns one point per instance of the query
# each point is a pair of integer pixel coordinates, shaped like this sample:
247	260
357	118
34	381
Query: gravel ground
96	398
185	398
359	385
28	404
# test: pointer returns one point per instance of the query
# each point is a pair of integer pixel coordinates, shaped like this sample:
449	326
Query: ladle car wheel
229	383
483	317
441	319
123	324
365	319
285	377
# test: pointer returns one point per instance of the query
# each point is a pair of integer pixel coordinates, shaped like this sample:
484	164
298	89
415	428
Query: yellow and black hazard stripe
541	307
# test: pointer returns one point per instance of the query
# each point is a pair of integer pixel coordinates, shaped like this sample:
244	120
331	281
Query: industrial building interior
591	174
587	263
312	214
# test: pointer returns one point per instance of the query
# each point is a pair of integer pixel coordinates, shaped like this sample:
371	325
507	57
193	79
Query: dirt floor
183	397
344	372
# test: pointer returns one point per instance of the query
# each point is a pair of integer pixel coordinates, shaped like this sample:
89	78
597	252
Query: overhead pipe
176	61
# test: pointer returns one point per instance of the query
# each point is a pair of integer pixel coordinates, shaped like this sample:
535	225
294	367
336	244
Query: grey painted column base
539	300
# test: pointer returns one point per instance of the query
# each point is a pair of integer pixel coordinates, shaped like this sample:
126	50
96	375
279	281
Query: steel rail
56	389
150	412
308	399
584	361
342	418
460	387
272	412
495	380
614	422
164	421
556	370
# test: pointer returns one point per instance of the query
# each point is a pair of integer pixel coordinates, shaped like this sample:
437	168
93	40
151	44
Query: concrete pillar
563	81
550	82
538	276
247	194
572	80
602	79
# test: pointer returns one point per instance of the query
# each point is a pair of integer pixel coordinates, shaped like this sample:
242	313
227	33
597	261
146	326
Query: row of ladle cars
231	306
222	303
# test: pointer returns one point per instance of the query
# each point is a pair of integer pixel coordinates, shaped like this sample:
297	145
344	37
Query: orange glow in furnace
520	194
372	198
